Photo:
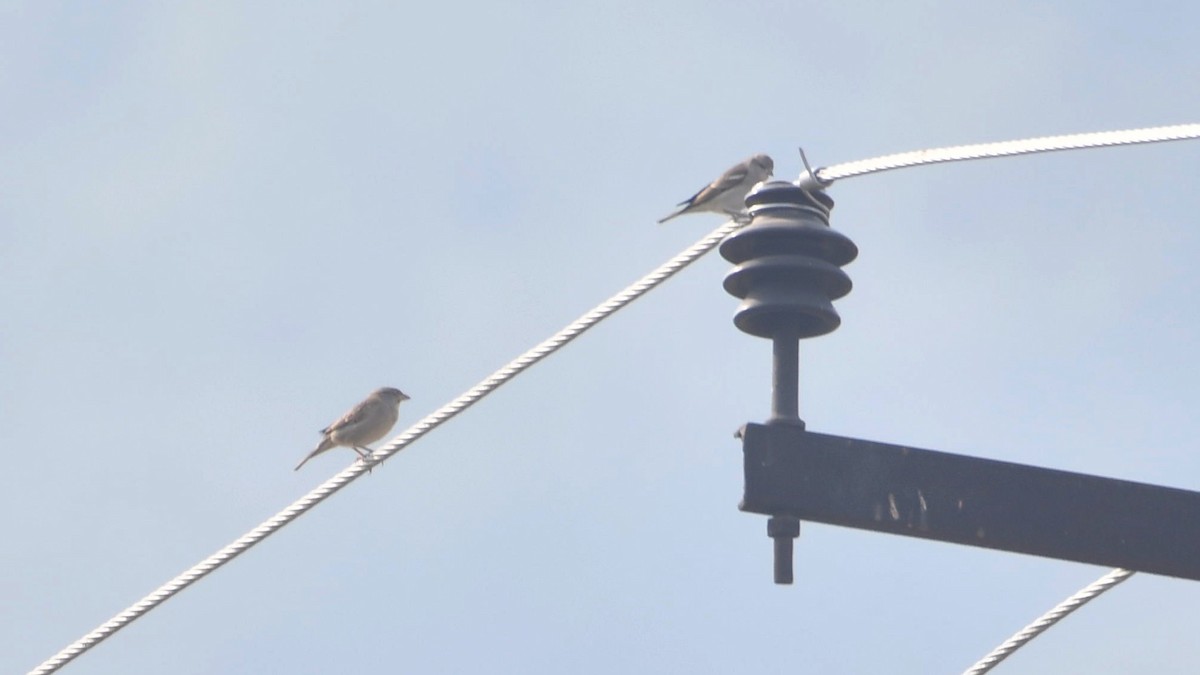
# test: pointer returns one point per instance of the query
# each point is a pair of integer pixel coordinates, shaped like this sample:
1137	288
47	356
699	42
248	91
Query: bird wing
355	415
728	180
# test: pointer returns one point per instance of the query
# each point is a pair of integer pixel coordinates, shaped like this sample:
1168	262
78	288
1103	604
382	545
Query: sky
222	224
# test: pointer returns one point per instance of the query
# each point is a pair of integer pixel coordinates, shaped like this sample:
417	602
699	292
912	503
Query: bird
727	194
366	423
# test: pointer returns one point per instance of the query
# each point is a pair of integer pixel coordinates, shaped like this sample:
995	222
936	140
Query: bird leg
741	216
364	458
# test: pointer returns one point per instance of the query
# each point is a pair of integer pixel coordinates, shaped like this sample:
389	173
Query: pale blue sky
221	224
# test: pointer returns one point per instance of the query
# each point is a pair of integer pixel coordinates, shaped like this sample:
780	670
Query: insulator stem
785	377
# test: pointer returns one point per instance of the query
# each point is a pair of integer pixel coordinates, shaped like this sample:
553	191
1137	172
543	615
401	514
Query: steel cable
1045	621
957	153
422	427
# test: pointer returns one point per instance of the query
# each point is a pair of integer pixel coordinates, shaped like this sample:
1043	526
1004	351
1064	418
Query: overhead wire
417	430
822	177
1177	132
1045	621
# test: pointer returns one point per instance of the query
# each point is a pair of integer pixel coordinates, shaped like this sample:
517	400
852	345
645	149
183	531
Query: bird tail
684	206
324	445
673	215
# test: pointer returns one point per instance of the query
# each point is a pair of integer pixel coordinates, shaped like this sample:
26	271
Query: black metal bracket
969	500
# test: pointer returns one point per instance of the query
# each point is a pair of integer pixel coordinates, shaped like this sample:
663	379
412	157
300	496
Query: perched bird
366	423
727	194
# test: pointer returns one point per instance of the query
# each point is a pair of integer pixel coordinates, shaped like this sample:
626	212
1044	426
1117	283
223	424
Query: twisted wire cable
424	426
1179	132
1045	621
823	177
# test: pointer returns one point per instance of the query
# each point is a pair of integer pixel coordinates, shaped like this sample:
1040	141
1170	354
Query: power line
424	426
958	153
1045	621
561	338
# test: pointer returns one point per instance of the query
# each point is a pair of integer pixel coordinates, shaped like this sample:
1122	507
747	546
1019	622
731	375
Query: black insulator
789	272
788	264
